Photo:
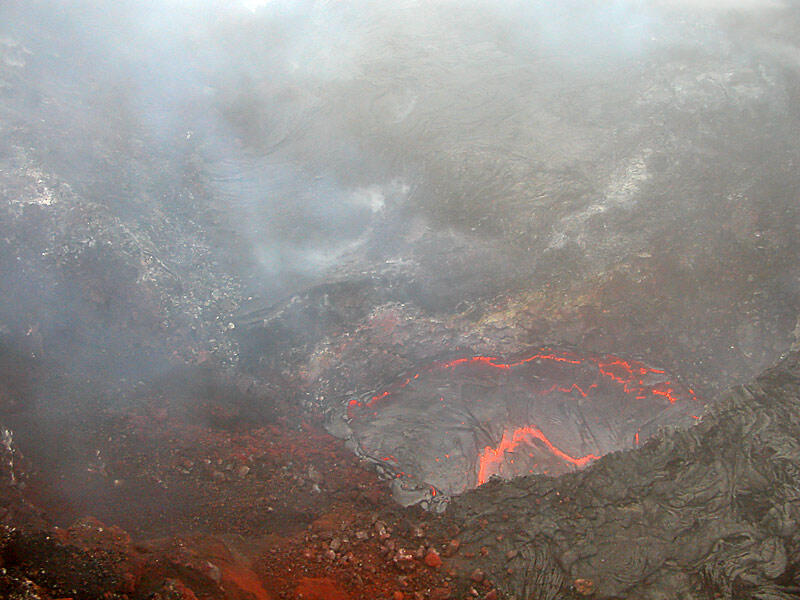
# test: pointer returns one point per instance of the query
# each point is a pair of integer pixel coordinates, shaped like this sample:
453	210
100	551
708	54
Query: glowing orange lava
630	374
576	377
490	459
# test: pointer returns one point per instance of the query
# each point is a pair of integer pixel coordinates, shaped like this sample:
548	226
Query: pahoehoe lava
453	424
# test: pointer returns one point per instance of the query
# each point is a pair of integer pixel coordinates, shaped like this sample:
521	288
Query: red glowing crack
490	459
634	378
630	374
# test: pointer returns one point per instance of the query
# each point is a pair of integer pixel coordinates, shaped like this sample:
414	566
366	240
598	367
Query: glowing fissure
630	374
618	392
491	459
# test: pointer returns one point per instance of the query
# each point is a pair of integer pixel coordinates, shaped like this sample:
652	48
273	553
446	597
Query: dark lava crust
708	512
452	424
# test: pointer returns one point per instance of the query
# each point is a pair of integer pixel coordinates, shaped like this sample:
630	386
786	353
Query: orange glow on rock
545	408
491	459
630	374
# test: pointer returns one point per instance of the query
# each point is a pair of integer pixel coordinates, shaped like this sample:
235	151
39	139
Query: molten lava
631	374
491	459
453	424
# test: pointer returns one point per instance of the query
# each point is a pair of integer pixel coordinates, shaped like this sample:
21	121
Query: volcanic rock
452	547
432	559
315	476
584	587
441	593
665	514
476	417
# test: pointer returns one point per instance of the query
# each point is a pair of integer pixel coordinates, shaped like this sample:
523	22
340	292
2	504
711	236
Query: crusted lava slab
708	512
451	425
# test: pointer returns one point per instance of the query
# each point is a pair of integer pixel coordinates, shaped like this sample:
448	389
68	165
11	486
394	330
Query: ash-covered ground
225	228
